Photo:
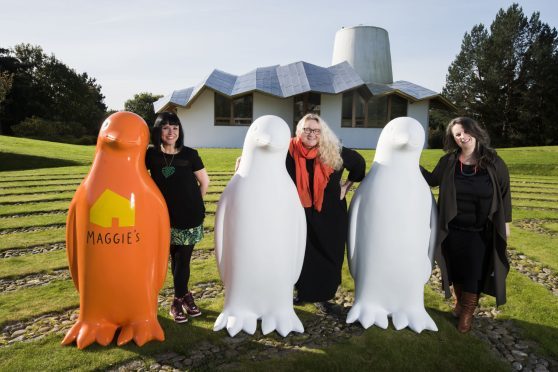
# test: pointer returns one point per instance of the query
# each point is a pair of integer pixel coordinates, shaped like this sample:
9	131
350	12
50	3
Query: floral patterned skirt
186	236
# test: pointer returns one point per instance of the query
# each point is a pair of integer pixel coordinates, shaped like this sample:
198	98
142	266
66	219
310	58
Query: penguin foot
86	332
368	315
237	322
141	331
417	319
284	322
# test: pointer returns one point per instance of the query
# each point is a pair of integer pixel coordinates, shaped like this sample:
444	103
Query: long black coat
326	231
500	213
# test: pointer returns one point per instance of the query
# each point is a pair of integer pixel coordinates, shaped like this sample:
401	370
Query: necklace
168	170
467	174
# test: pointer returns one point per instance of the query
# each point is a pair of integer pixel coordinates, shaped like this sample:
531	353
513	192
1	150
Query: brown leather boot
469	302
456	289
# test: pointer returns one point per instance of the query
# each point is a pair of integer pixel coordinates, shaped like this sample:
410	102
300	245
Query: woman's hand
508	232
344	188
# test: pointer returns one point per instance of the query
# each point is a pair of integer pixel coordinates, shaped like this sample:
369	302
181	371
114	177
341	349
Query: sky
146	46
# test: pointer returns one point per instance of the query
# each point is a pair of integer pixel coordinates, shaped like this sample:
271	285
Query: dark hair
162	119
484	154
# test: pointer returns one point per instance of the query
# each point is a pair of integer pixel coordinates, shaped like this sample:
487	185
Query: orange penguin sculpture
117	240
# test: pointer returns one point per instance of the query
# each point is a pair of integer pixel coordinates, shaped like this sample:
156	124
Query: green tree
142	104
505	78
44	87
6	80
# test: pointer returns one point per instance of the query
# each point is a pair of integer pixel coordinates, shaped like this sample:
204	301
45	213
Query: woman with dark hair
180	174
474	206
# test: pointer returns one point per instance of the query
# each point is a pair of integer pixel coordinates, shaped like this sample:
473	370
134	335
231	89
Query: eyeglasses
310	130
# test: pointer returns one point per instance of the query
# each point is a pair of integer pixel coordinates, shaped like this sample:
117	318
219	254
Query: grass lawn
33	263
531	307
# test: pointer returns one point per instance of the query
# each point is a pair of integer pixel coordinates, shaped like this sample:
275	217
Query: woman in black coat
316	161
474	206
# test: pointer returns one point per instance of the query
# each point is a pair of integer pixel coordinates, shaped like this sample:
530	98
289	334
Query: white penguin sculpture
260	235
391	241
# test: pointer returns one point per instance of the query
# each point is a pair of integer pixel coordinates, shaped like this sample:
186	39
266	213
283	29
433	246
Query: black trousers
180	267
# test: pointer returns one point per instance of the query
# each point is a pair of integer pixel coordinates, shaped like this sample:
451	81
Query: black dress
326	231
465	247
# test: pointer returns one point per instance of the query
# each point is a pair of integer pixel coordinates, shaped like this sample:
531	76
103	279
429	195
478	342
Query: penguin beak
402	140
263	139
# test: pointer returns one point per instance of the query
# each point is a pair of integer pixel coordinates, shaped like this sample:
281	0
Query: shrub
38	128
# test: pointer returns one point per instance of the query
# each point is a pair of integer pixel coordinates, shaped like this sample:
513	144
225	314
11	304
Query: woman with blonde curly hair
316	161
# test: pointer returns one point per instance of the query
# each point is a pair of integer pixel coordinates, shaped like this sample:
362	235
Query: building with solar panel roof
356	95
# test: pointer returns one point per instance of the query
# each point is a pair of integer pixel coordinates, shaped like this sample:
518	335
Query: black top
180	189
473	191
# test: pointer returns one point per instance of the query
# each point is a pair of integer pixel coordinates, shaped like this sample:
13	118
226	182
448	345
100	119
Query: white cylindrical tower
366	48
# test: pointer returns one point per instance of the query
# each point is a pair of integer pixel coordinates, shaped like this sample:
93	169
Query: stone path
33	280
320	332
534	270
31	229
536	225
40	279
64	198
58	323
503	337
37	213
43	248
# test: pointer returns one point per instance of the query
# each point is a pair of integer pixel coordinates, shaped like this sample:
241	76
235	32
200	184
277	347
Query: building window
233	111
398	107
306	103
374	112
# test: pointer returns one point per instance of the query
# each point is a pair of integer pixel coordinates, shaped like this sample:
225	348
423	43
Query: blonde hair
329	146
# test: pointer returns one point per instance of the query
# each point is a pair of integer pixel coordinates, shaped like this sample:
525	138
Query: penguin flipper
352	231
301	245
71	241
433	230
218	233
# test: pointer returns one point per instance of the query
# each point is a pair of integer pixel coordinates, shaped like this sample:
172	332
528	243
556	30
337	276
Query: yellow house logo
110	206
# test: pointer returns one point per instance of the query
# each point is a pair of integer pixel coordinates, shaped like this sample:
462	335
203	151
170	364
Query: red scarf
321	174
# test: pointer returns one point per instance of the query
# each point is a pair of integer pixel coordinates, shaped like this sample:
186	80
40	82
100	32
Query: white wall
419	111
199	123
268	105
